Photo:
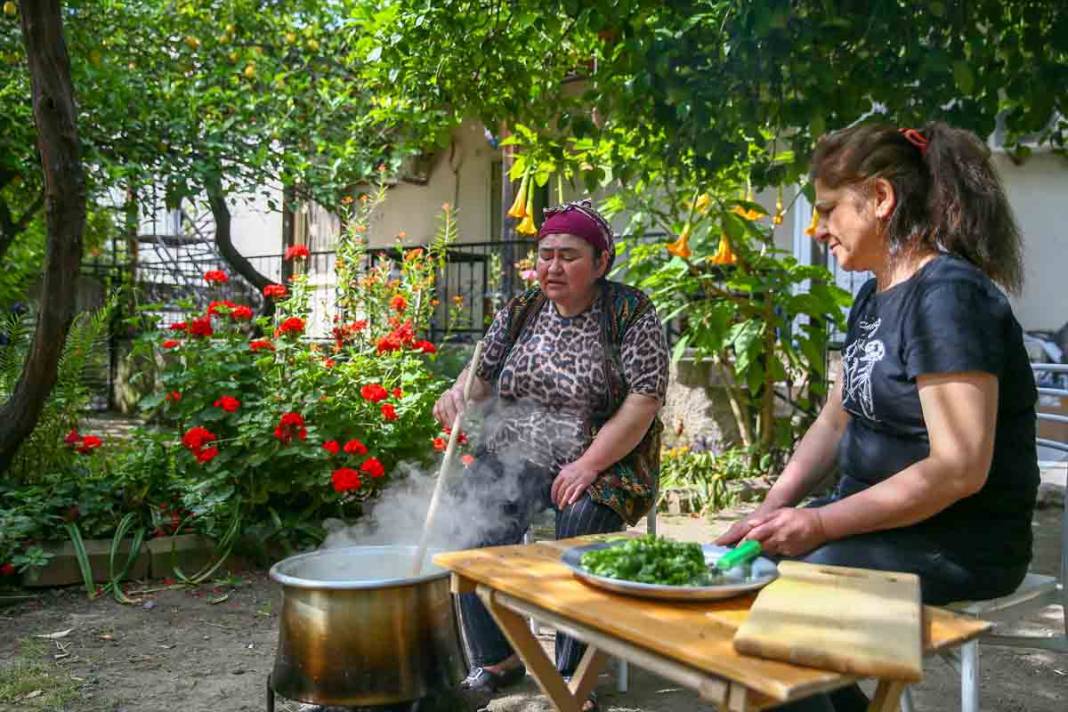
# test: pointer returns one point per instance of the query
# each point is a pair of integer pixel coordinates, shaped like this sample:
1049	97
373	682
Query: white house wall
1038	191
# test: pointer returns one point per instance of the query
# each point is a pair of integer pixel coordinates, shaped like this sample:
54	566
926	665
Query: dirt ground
209	650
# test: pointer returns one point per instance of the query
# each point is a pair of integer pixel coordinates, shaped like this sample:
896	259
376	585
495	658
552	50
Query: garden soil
210	650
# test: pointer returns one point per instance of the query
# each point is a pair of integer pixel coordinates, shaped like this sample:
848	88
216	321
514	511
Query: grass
34	682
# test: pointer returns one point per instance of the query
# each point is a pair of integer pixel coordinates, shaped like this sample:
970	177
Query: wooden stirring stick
454	435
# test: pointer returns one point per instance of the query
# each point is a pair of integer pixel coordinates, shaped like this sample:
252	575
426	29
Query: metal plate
739	580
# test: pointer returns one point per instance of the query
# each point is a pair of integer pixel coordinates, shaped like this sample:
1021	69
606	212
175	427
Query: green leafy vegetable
650	559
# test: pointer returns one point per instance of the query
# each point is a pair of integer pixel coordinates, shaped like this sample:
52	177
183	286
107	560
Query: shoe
482	680
591	704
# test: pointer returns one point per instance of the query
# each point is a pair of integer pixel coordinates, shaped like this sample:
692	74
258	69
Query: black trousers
514	493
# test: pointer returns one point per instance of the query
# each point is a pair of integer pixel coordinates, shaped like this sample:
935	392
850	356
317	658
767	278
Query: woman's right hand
449	406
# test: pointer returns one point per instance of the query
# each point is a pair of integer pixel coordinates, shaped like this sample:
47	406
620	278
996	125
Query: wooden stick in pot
439	486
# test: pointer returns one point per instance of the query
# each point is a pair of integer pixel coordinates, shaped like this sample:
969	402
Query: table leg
533	655
887	696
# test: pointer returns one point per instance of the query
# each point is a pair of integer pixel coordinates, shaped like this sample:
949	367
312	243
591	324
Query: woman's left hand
789	531
572	481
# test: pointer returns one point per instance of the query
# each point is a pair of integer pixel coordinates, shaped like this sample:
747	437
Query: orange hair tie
917	139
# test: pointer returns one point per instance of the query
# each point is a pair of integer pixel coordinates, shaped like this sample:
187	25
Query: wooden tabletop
698	635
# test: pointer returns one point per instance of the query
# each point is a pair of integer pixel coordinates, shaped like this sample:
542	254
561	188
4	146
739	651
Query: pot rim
285	579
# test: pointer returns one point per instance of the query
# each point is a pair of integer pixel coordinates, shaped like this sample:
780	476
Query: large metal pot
358	630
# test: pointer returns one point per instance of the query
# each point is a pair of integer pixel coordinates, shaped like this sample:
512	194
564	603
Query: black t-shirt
947	318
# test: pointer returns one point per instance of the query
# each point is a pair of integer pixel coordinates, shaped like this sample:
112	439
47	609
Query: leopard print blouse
553	382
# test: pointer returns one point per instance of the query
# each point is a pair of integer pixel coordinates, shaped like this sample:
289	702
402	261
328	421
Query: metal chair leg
969	677
622	676
906	700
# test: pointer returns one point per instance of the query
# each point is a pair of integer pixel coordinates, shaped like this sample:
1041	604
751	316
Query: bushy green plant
287	430
45	453
708	478
761	317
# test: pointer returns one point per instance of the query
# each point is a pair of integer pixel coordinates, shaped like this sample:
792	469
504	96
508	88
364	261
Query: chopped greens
650	559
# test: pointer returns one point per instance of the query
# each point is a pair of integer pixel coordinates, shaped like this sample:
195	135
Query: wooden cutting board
854	621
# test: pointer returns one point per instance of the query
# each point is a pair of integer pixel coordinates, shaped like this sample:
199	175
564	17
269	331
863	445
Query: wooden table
688	643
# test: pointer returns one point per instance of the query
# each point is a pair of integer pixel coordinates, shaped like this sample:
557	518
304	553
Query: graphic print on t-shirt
857	363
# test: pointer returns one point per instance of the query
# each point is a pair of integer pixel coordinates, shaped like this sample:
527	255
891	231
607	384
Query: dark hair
949	197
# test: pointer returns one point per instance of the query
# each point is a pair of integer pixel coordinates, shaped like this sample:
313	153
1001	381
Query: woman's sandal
483	680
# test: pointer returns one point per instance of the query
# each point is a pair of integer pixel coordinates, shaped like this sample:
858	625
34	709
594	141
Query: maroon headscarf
581	220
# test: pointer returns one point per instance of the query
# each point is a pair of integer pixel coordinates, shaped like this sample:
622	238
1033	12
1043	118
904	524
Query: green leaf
963	76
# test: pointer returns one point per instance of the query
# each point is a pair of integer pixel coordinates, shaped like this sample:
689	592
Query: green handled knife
741	554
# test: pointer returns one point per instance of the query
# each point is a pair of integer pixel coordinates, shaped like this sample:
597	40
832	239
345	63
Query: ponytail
969	213
949	197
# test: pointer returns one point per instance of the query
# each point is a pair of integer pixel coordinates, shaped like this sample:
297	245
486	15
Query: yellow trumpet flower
681	246
724	255
527	226
702	203
777	219
750	214
518	209
811	229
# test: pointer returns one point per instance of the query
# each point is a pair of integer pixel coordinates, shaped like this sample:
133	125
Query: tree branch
224	239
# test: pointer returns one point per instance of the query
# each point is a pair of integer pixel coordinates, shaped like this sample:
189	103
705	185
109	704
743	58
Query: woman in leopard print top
578	371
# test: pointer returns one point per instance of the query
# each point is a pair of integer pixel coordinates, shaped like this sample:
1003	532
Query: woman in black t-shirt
932	421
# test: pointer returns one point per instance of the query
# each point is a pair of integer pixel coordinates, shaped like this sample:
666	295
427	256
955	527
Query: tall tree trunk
64	198
224	239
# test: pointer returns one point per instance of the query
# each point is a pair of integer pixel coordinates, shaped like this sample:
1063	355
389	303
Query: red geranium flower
373	467
216	276
7	569
261	345
171	344
228	403
387	344
88	444
398	303
290	425
358	325
222	306
72	437
241	313
197	437
174	396
439	444
178	326
332	447
398	393
388	411
374	392
401	336
297	251
201	326
467	459
275	290
461	438
424	346
355	447
207	455
345	479
329	362
292	325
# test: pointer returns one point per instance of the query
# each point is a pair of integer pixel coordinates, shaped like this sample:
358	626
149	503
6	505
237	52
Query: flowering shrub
275	424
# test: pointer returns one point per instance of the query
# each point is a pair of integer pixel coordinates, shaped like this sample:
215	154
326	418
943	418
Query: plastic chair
1035	593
